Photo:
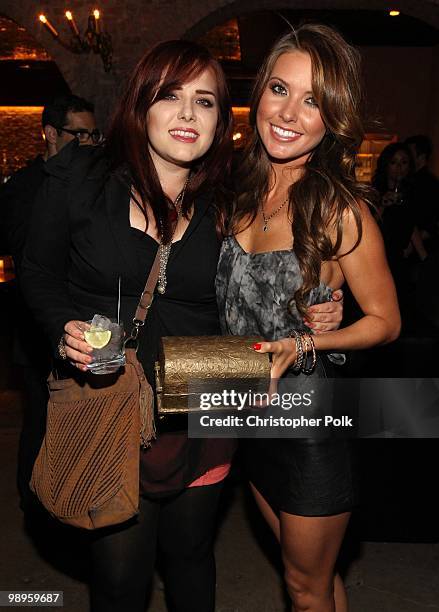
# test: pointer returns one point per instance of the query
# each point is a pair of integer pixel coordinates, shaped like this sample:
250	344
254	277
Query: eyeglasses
84	135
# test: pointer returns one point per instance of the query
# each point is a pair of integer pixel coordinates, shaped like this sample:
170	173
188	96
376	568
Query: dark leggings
182	527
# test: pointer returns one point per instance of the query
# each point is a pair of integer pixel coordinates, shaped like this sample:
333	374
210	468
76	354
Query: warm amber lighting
223	41
240	109
23	47
394	13
48	25
6	269
21	109
19	124
96	15
25	54
237	136
72	23
94	39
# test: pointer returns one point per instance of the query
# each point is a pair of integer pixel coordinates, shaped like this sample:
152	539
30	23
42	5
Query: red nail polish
257	346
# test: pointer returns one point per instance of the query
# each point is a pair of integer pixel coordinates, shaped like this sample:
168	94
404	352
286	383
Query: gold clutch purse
191	365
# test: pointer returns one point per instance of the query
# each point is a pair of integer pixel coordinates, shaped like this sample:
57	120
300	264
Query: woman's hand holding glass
76	348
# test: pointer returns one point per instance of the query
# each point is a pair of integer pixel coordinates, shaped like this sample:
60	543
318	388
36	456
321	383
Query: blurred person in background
393	181
64	119
425	191
426	197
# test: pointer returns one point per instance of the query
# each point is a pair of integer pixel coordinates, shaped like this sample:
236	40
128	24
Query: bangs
162	70
176	73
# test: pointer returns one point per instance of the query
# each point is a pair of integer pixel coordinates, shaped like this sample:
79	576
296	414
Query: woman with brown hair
301	228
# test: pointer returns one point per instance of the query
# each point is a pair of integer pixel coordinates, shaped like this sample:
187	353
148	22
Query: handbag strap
146	298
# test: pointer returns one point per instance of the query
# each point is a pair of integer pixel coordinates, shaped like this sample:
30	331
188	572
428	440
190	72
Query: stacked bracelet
305	351
309	348
297	365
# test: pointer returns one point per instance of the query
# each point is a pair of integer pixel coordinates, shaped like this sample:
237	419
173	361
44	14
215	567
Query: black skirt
303	476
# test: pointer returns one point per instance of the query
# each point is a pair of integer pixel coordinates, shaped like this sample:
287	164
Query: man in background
426	191
64	119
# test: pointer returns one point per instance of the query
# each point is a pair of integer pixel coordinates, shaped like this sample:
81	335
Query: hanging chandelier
93	40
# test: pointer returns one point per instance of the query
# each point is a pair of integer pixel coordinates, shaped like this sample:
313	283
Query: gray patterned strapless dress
307	477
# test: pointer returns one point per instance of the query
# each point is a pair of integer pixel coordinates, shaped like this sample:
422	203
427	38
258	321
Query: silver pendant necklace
165	249
267	219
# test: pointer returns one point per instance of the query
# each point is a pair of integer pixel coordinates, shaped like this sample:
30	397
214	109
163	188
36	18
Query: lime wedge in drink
97	338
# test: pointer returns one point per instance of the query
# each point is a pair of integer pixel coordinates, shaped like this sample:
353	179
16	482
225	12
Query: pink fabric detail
212	476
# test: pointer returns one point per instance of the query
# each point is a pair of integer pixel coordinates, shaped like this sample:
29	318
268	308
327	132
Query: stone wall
135	25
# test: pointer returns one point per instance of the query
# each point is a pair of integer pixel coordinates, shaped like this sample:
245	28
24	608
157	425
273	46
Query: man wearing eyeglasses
64	119
67	118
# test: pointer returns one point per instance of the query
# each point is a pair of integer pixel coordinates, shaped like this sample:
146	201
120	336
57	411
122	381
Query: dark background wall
401	87
402	83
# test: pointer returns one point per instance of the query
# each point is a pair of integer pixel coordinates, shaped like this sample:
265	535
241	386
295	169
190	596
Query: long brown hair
327	188
163	69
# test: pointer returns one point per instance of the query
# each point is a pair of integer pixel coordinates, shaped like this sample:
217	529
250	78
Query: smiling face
181	126
288	119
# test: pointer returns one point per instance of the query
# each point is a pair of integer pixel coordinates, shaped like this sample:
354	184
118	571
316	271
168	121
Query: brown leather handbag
87	471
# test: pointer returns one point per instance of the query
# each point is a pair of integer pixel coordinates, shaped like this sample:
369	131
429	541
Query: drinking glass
108	358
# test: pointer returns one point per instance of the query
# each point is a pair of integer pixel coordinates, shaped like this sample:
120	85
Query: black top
189	306
17	198
426	197
80	242
398	222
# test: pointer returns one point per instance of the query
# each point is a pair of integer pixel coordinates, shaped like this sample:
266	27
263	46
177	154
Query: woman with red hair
158	180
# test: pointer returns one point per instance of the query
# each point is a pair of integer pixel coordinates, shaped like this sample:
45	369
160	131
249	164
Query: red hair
163	69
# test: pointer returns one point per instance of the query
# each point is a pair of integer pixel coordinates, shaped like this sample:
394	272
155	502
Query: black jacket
80	242
17	197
